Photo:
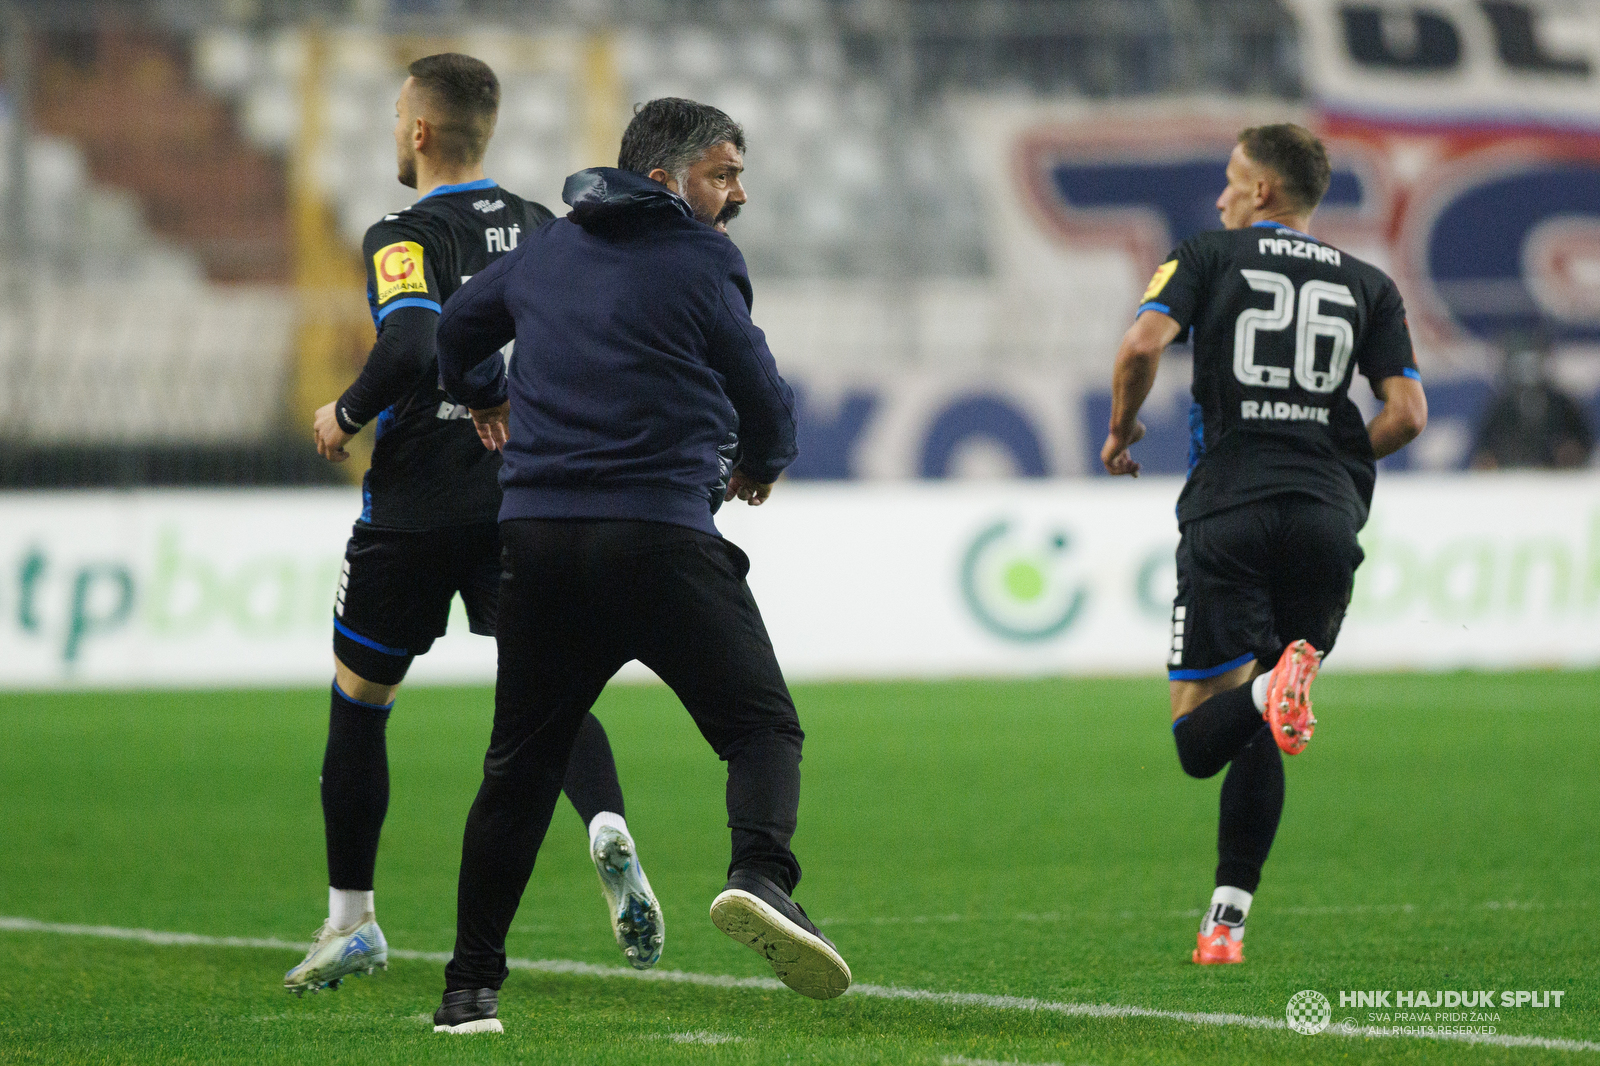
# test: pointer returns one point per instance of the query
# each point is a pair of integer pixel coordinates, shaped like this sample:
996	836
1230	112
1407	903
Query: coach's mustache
730	210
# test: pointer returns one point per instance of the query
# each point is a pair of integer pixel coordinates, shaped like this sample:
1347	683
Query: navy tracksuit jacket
638	381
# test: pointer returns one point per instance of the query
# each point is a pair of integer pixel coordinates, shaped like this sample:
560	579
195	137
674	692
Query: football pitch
1014	870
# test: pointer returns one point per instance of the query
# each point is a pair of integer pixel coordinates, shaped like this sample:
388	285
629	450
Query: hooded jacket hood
603	196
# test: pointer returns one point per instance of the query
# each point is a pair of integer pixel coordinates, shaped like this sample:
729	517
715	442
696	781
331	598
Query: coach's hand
1114	454
752	492
331	437
493	425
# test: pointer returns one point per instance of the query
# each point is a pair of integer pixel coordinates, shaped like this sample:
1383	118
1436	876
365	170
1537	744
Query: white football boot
337	953
635	915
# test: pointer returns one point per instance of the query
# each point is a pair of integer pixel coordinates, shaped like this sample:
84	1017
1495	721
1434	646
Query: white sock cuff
1258	691
607	819
1232	897
347	905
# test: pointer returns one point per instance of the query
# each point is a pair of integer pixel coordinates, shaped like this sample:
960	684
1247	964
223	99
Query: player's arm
1404	415
1389	362
405	307
475	325
1138	358
761	398
401	355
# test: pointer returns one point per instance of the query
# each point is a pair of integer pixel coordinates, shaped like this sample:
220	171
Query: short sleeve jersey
429	470
1279	319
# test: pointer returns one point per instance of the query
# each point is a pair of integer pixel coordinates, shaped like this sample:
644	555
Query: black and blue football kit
431	497
1281	468
428	525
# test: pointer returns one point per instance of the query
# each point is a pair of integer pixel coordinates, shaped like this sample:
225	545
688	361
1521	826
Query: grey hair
672	134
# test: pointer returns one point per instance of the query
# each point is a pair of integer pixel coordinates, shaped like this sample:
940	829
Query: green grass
1029	838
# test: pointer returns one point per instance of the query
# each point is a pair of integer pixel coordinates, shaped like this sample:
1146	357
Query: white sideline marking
699	1036
958	1060
1195	912
711	980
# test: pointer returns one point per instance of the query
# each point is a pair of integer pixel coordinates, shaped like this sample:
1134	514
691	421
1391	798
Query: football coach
639	398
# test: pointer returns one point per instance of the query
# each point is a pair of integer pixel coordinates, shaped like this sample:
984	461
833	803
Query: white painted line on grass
710	980
1195	912
958	1060
699	1036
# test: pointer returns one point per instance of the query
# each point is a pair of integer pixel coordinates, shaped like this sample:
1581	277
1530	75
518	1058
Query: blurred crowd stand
182	276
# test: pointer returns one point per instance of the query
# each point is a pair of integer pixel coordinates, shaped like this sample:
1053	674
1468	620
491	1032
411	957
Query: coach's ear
658	174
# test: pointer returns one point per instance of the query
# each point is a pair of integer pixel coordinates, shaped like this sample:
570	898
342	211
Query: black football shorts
1255	578
395	591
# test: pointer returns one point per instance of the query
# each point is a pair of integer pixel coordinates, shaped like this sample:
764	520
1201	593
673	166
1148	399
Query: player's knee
362	689
1193	755
365	665
1196	765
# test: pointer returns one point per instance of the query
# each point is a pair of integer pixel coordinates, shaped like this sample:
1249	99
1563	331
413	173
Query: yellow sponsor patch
399	269
1163	275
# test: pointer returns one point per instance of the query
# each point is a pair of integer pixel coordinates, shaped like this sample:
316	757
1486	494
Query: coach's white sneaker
337	953
754	911
635	915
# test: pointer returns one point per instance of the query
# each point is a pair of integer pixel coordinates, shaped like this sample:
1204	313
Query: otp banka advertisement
996	578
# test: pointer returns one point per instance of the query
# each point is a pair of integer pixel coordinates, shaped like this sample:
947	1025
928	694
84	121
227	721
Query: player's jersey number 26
1310	323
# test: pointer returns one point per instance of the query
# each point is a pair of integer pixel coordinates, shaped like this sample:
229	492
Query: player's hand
493	425
753	492
1114	454
330	436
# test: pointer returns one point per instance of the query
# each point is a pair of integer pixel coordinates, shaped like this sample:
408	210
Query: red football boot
1217	947
1289	697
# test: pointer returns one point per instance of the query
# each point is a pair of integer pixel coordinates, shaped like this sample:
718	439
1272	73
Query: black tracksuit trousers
578	599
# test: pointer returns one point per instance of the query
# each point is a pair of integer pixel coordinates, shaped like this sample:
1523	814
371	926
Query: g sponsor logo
1019	585
399	269
1158	282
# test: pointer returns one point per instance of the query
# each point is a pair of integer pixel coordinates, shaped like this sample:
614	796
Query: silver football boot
338	953
635	915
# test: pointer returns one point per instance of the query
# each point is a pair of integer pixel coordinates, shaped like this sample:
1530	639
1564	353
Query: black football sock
591	782
1252	802
355	789
1209	735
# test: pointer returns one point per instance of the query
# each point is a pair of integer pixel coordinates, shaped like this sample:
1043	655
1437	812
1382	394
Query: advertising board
1018	578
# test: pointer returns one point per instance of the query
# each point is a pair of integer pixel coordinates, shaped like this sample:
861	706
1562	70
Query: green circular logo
1024	580
1017	588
